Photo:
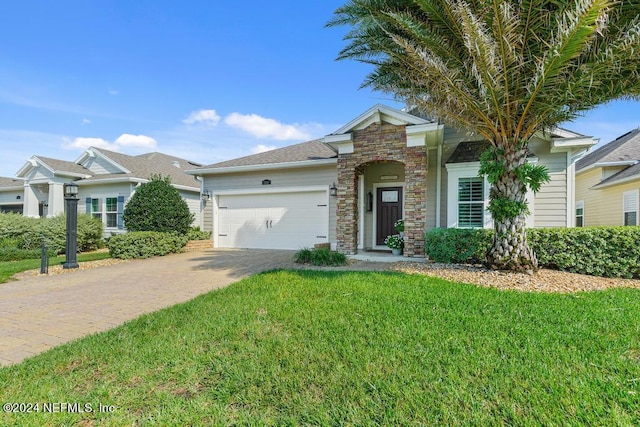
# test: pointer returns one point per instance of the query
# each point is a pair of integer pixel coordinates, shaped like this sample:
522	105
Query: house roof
144	166
304	151
624	149
6	182
62	166
468	151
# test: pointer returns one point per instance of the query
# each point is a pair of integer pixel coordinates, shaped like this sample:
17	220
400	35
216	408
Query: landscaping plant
158	206
320	257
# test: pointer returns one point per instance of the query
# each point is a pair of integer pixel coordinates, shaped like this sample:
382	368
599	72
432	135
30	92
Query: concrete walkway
41	312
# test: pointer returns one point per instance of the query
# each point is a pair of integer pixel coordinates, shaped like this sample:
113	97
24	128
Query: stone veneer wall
378	143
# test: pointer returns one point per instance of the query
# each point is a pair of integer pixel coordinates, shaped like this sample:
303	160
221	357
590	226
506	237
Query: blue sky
202	80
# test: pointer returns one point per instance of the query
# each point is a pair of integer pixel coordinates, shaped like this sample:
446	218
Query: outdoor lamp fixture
71	247
333	190
206	195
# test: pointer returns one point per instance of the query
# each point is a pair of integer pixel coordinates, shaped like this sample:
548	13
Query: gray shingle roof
11	182
64	166
305	151
624	148
468	151
144	166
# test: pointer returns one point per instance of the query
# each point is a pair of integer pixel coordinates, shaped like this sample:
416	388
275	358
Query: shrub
157	206
320	257
15	254
597	251
196	234
145	244
14	225
54	233
458	245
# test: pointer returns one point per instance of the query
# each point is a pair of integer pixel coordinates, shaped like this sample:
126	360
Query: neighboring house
608	183
11	191
349	187
106	181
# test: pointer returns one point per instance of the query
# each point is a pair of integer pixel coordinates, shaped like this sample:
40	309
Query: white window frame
94	213
630	204
455	171
108	212
579	205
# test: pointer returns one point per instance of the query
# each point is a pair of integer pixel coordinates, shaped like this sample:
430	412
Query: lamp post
70	193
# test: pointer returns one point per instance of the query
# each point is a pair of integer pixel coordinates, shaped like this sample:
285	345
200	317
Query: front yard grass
350	348
9	268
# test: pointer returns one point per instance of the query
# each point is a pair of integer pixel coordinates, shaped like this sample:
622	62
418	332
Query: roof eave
616	182
261	167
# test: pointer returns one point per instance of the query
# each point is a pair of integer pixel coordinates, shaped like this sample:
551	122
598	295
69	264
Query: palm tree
506	69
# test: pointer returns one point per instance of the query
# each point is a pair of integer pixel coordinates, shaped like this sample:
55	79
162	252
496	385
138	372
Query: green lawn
9	268
350	348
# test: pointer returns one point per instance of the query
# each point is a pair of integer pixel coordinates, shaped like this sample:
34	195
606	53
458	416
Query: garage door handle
271	224
222	235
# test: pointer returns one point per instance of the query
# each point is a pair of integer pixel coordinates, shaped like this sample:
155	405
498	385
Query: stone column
347	209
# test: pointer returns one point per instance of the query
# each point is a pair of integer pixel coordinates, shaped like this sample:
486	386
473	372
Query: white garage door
273	220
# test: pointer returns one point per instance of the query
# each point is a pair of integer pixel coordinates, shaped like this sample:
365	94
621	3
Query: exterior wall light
333	190
206	195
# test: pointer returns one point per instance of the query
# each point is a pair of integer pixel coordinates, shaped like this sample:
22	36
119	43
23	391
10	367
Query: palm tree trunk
510	250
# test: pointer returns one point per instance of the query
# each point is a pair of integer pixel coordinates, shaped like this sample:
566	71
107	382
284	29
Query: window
96	209
580	213
471	202
630	207
112	212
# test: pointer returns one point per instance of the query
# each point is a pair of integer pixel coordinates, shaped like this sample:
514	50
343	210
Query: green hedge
145	244
597	251
196	234
458	245
28	233
8	253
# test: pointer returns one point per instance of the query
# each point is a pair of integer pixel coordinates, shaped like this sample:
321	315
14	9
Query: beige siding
550	203
601	206
100	166
432	171
193	201
287	178
10	197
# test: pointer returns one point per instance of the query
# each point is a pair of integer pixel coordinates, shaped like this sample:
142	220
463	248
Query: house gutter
607	165
134	180
262	167
616	182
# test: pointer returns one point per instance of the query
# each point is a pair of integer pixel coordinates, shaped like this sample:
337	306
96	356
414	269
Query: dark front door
388	211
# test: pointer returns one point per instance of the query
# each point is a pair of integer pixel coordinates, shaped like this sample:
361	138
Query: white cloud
261	148
206	117
262	127
123	143
113	92
83	143
86	121
142	141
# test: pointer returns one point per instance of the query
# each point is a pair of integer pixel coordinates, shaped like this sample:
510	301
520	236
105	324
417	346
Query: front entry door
389	210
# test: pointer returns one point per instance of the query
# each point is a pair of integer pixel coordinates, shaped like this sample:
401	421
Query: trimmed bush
157	206
28	233
196	234
8	253
597	251
458	245
145	244
320	257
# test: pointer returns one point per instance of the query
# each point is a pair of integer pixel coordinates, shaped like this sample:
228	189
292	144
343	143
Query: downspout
438	183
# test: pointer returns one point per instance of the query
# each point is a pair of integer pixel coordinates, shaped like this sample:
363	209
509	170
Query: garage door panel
274	220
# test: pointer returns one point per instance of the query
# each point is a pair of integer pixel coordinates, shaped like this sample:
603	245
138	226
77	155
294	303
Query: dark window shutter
88	204
120	211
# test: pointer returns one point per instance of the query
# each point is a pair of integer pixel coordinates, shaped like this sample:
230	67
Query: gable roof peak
381	113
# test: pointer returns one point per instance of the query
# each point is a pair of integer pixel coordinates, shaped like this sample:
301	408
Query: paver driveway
40	312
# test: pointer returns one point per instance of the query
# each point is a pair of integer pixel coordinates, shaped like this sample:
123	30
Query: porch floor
383	256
